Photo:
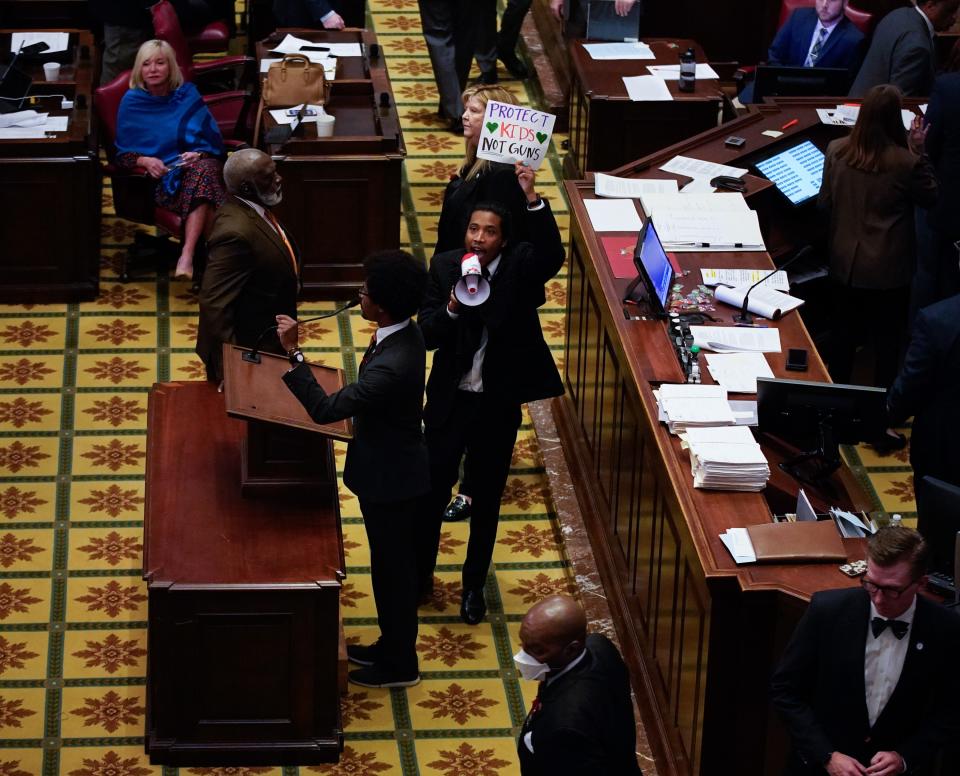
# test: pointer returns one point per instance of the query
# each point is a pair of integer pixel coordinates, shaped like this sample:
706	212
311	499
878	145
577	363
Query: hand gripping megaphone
472	289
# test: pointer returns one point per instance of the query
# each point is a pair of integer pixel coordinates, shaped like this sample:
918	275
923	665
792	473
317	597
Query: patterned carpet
73	394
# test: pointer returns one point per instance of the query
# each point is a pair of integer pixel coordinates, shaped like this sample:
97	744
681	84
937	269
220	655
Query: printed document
621	188
736	339
745	277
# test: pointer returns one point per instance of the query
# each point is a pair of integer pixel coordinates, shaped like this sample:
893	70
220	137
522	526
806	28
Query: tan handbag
292	81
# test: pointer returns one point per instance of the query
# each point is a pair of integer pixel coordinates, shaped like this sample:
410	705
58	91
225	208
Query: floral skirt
201	182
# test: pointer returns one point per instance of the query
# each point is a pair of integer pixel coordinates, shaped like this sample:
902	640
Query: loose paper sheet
57	41
631	50
613	215
647	88
672	72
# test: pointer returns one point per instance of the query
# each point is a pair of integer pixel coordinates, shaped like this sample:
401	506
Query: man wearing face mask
582	719
253	265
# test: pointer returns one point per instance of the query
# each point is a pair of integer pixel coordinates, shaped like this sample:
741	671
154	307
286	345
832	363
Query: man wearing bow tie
868	683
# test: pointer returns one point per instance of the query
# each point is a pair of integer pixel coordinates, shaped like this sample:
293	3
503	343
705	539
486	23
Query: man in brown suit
253	269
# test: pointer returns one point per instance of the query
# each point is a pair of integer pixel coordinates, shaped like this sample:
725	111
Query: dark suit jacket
901	53
301	13
498	183
387	457
249	279
943	146
819	688
790	46
928	387
872	238
517	364
585	722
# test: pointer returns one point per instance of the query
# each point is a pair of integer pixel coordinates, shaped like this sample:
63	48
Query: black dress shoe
889	443
457	510
363	655
514	66
473	607
489	78
378	676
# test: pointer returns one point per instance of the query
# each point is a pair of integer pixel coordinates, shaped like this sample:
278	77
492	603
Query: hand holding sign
526	177
514	133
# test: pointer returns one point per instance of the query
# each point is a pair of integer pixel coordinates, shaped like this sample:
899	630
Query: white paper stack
738	372
684	406
746	277
736	339
616	50
658	203
737	540
727	458
712	230
764	301
619	188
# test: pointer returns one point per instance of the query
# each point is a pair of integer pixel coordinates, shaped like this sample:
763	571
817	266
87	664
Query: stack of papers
846	116
737	540
698	168
294	45
625	50
726	459
738	372
736	339
745	277
28	124
611	186
647	88
851	526
656	203
764	301
684	406
709	230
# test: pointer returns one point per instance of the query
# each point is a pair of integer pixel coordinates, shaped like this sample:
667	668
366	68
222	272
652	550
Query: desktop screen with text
796	172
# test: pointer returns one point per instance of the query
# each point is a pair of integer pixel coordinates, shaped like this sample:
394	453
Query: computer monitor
654	272
938	519
781	81
797	172
14	85
817	418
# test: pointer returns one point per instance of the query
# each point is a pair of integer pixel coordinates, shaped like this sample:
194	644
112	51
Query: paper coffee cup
51	71
325	124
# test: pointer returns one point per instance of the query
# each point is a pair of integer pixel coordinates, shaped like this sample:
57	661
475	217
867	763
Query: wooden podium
284	449
246	652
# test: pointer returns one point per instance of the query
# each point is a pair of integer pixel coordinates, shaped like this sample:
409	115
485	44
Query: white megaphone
472	289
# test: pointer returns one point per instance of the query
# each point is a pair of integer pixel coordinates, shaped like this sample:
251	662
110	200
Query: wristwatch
296	357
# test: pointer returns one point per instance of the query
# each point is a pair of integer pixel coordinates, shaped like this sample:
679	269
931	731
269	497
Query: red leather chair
212	38
218	75
863	20
133	190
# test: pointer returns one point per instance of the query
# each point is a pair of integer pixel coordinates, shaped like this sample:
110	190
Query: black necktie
370	350
898	627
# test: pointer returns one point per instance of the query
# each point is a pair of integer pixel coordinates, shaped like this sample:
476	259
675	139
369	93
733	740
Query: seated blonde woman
164	127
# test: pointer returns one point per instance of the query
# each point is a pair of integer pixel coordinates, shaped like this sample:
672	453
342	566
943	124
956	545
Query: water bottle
688	70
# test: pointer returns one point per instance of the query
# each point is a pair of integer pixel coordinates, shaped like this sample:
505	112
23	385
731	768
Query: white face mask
529	667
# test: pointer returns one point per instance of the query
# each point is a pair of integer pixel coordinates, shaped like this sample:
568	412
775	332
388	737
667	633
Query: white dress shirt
883	662
383	332
816	34
933	32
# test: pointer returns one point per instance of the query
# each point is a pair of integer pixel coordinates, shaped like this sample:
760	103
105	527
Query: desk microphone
743	316
253	356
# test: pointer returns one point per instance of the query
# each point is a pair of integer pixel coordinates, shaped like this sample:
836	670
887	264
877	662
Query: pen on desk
752	325
790	123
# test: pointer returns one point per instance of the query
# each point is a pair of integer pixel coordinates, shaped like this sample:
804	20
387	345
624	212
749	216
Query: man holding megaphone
480	315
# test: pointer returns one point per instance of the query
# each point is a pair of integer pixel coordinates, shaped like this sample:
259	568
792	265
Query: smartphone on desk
797	360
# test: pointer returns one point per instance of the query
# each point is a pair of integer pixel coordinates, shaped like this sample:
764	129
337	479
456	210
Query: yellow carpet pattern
73	396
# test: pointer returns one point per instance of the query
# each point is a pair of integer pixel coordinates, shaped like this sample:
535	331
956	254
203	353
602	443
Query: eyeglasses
892	593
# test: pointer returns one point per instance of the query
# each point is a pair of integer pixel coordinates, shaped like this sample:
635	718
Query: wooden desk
45	14
700	634
243	600
50	191
607	129
341	194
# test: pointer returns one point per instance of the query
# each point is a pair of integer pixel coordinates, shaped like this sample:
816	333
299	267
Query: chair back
787	7
166	26
106	103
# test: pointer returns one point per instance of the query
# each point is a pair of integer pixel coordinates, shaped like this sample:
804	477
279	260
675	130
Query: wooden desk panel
341	194
700	633
243	599
50	191
607	129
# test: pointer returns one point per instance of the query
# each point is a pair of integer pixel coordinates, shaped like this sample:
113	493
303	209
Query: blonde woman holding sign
479	180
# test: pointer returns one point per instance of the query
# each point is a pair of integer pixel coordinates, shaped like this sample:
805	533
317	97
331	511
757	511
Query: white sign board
515	133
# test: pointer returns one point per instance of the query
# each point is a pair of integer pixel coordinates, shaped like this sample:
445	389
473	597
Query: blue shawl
165	127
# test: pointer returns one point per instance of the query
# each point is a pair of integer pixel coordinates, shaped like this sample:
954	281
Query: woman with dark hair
164	127
872	181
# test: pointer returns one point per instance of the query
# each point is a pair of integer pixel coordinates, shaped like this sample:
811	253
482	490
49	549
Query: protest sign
514	133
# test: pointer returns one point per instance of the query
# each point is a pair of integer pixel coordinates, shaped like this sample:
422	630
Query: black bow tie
898	627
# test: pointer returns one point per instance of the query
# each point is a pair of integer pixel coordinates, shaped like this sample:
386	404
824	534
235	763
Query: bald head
252	174
554	630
